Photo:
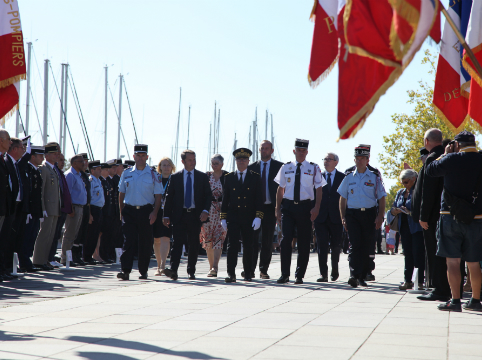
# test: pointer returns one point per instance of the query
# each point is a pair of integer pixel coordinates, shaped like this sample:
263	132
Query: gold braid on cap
242	154
260	214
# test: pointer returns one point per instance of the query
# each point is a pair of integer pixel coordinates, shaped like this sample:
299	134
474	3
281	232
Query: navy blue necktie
328	180
188	193
19	182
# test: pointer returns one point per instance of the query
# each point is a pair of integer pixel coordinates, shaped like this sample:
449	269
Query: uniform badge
289	180
369	181
352	191
309	170
291	168
127	184
98	193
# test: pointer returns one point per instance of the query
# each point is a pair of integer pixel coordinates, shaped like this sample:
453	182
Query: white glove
45	214
41	220
28	150
224	225
29	217
256	223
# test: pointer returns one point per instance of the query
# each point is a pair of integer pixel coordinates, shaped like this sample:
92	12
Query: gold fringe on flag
315	83
472	72
8	115
12	80
412	16
451	126
369	106
313	11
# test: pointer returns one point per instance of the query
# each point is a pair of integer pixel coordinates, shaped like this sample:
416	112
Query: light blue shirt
76	186
96	192
268	163
362	190
192	182
139	186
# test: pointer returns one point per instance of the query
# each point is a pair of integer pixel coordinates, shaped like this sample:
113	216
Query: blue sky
240	54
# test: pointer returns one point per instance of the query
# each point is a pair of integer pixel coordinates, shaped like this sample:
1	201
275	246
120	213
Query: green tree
404	144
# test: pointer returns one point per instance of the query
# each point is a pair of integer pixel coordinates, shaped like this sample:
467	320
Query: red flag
363	72
12	58
324	50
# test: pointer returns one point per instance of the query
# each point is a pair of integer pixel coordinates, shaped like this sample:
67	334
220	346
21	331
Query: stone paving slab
89	314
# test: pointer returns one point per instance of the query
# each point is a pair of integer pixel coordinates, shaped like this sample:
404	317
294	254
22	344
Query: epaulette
232	172
350	170
373	170
254	172
287	162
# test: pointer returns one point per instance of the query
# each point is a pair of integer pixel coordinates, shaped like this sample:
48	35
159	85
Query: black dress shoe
450	306
143	277
362	282
283	279
109	261
322	278
370	277
191	277
248	278
230	279
334	276
433	297
7	277
298	281
123	276
473	306
353	282
81	262
168	272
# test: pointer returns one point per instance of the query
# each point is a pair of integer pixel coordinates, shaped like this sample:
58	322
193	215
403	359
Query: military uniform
77	250
112	229
362	192
36	210
298	181
140	188
108	215
96	205
242	204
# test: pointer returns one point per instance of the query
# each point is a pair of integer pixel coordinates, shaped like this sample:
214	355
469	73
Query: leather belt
78	205
137	207
188	210
362	209
298	202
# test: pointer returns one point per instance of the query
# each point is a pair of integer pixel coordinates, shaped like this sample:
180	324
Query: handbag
395	224
462	210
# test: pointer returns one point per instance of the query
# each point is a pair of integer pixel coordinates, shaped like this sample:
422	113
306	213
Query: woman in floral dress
212	233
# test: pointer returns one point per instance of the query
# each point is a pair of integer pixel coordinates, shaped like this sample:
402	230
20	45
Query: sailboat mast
17	118
120	116
217	134
46	101
176	147
266	126
27	112
62	93
66	97
105	116
214	130
188	124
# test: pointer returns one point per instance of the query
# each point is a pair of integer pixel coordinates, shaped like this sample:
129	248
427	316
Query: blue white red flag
452	81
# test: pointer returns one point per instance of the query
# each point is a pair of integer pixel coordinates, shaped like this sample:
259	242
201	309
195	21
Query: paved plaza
89	314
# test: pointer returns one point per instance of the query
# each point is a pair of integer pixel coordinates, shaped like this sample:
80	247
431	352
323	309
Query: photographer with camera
459	231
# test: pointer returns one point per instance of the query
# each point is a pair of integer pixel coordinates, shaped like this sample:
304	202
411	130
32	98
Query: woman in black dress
162	234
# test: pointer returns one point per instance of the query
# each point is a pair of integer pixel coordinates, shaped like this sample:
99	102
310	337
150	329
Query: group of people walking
130	209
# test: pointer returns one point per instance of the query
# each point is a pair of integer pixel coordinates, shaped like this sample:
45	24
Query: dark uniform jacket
23	165
242	203
12	173
86	180
5	191
458	172
108	209
274	167
35	183
329	207
114	197
431	190
175	195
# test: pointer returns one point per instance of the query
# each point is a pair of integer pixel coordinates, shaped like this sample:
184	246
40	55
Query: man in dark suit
268	168
241	212
7	197
328	226
432	188
187	205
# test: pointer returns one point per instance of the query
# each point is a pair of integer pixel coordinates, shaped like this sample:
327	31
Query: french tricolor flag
473	39
452	82
12	58
324	49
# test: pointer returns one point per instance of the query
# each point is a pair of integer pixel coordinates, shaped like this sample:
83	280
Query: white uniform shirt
310	179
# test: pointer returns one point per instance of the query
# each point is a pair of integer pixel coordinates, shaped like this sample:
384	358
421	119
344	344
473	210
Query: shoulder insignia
287	162
254	172
229	173
350	170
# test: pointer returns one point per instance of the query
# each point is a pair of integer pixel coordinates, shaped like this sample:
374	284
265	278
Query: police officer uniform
111	233
77	249
142	191
35	213
96	204
241	211
362	192
298	181
108	215
117	236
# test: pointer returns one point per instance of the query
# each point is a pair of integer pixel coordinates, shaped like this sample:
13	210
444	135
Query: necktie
296	195
263	181
188	195
328	185
19	182
240	178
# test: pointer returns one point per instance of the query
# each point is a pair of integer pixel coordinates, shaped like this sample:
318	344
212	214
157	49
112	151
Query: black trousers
378	237
57	236
29	236
240	230
328	235
186	232
109	227
295	216
16	237
414	252
437	266
6	240
84	226
93	232
361	230
137	234
268	225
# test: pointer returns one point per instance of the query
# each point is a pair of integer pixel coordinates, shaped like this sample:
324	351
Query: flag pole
471	55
